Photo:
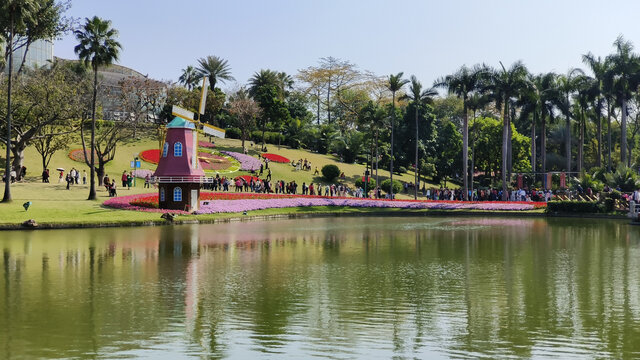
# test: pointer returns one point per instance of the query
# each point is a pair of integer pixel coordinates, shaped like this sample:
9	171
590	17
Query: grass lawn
53	204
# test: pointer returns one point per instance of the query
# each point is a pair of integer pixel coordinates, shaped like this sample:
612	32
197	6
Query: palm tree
394	84
608	89
585	86
215	68
567	84
626	67
504	85
189	77
476	101
262	78
418	96
17	13
97	47
462	83
599	69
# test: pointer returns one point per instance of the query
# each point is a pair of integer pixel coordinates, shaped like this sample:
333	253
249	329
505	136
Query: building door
194	200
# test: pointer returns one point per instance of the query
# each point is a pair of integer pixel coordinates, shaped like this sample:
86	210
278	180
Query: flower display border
275	158
145	156
238	202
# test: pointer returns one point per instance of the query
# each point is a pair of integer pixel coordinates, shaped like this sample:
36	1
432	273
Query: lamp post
366	182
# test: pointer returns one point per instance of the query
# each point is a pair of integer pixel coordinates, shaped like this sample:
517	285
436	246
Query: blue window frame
177	149
161	194
177	194
165	149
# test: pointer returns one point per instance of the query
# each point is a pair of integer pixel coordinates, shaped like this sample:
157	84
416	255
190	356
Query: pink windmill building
179	173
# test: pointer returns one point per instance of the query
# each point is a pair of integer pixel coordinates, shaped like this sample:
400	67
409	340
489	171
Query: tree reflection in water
346	287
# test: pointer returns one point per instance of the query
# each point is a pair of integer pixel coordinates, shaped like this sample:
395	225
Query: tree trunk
465	149
100	173
244	135
543	142
581	144
329	102
7	165
533	144
415	187
377	156
568	140
92	171
623	132
599	125
393	116
505	134
318	106
608	136
18	159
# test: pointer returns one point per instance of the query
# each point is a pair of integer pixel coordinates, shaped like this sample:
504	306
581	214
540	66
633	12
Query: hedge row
575	207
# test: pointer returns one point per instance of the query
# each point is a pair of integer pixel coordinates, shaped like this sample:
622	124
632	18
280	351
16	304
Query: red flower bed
213	162
151	156
206	144
79	155
276	158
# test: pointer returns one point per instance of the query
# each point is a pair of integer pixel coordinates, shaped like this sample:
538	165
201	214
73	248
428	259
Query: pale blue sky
425	38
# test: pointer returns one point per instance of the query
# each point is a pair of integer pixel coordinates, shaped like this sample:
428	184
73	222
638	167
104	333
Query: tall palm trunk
623	132
92	188
393	116
568	137
505	134
543	142
599	126
533	142
415	188
465	148
377	158
581	142
608	136
7	165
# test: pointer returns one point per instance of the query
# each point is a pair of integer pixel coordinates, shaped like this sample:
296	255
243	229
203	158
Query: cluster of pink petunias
142	173
220	206
247	162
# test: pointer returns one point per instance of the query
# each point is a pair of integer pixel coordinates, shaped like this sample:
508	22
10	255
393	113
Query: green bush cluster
386	186
580	207
270	137
330	171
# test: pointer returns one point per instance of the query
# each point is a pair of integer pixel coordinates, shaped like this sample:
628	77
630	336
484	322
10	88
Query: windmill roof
179	122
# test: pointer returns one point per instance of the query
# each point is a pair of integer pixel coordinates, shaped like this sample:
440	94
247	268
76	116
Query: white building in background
40	54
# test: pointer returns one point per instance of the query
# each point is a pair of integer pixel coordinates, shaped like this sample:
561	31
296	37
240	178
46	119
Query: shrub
615	195
581	207
625	178
330	171
400	170
234	133
609	204
360	183
385	185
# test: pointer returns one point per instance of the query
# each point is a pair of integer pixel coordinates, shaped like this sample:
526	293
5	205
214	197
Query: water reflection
338	288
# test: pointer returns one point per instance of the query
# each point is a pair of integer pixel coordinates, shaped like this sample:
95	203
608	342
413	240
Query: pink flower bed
206	144
142	173
219	206
212	203
247	162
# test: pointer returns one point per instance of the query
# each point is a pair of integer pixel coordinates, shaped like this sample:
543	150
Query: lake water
340	288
